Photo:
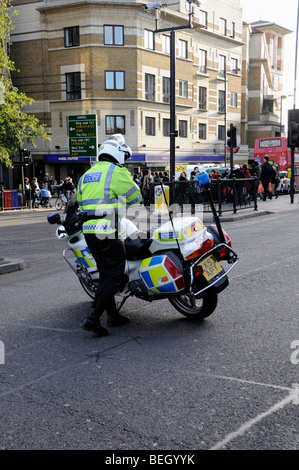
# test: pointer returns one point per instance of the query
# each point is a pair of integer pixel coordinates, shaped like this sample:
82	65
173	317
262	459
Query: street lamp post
225	108
225	105
157	6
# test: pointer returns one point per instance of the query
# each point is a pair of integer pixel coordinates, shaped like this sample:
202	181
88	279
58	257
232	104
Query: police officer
103	192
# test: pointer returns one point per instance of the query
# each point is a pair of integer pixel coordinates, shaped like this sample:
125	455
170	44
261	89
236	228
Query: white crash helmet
116	148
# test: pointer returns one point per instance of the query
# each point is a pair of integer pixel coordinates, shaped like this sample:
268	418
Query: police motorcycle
182	260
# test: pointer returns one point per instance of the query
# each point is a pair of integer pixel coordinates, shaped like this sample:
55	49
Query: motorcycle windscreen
161	275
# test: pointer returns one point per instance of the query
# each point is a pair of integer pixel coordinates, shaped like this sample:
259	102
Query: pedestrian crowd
187	190
32	189
242	185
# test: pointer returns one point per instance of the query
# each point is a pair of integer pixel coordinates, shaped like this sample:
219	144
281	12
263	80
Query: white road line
250	382
246	426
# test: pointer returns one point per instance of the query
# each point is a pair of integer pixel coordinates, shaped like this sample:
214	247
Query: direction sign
82	133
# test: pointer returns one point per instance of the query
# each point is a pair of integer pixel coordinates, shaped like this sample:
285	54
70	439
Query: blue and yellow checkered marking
83	257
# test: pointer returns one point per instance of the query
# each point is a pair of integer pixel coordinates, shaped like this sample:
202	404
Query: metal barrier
229	195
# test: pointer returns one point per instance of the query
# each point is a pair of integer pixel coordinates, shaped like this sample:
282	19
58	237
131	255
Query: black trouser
268	193
110	257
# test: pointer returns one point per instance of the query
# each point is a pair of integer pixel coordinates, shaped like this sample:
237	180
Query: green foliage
17	128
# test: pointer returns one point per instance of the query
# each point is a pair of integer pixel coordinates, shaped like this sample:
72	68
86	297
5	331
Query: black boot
115	319
92	323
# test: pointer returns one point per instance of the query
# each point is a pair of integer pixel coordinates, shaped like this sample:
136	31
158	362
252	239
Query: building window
149	39
149	87
73	85
202	104
182	49
234	100
221	132
114	80
233	30
115	124
150	126
182	128
113	35
221	101
223	29
132	118
222	64
183	89
71	36
202	131
166	127
166	90
165	44
234	66
203	18
202	61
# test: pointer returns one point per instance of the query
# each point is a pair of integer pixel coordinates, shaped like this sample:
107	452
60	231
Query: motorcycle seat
137	248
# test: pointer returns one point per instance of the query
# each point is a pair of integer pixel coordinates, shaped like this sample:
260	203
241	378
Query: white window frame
202	61
234	65
147	79
150	125
166	89
183	49
112	33
203	17
70	69
183	89
223	26
165	44
183	129
234	100
202	131
149	39
222	65
202	105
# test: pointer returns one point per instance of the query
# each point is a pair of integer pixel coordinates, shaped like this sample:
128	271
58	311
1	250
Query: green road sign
82	133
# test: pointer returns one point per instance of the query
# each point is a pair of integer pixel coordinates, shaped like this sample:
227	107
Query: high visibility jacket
106	188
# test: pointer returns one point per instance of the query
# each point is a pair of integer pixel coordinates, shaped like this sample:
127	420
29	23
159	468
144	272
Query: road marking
261	268
250	382
246	426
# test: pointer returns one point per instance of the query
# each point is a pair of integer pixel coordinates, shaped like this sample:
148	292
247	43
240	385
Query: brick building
265	69
104	58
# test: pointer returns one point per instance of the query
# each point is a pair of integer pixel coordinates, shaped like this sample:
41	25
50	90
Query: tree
17	128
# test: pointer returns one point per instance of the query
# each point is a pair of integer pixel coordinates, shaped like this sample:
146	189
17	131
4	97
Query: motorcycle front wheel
203	308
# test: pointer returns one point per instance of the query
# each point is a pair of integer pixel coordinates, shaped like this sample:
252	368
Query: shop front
61	166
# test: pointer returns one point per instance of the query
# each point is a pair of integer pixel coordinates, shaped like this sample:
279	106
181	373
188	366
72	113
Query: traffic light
293	128
232	137
26	157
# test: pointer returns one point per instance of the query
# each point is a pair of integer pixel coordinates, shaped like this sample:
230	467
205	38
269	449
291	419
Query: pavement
280	205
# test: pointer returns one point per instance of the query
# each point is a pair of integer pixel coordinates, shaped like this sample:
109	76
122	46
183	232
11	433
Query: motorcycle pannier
162	275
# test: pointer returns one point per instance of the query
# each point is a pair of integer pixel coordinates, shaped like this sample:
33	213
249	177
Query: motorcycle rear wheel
204	305
89	287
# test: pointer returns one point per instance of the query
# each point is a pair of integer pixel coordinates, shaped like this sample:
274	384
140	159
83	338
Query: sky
285	14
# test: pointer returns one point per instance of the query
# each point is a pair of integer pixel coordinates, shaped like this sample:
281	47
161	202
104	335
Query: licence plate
210	267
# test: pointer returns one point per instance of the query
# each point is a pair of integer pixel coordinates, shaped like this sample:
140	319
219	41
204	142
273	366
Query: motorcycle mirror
54	218
71	207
